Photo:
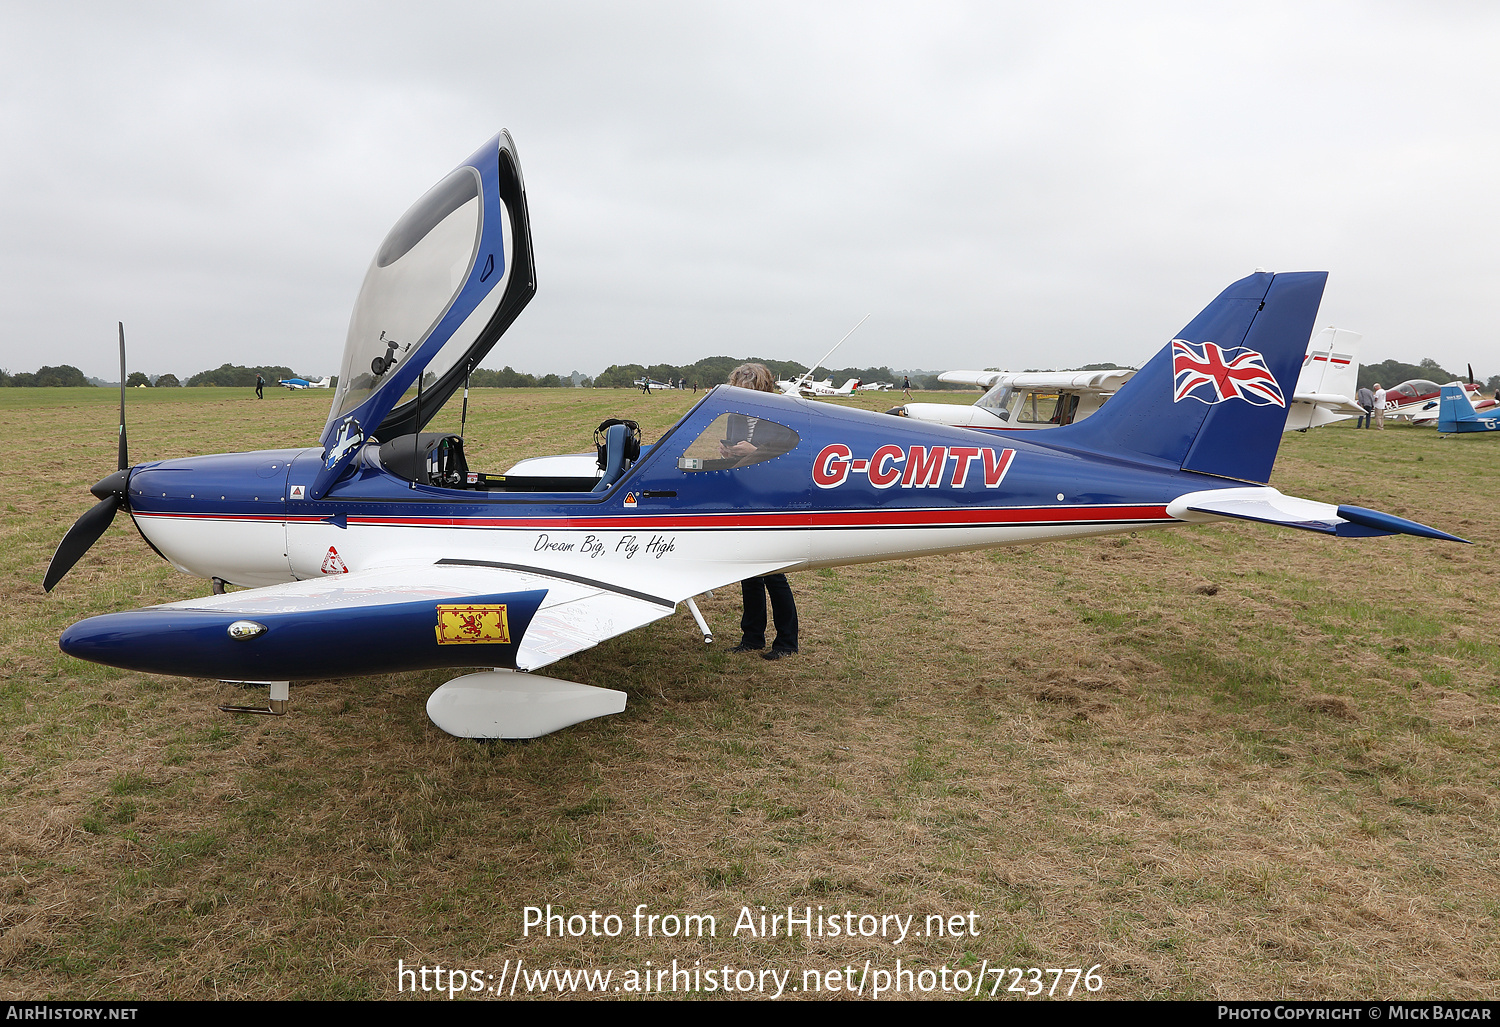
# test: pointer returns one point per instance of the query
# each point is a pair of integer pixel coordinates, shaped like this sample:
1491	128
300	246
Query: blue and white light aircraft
1457	415
304	383
379	550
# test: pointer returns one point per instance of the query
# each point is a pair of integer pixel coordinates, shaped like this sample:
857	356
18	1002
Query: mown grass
1221	762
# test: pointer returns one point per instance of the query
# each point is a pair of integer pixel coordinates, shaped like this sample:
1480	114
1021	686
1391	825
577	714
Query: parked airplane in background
1456	414
1417	400
1014	402
801	386
379	551
1048	399
875	387
302	383
1328	387
644	383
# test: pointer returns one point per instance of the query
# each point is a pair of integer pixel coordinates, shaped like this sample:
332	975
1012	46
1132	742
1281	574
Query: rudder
1215	399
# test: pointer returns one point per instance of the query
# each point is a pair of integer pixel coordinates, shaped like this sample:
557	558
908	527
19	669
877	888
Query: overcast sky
1000	184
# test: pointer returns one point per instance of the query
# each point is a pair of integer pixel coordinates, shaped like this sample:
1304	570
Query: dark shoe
776	654
746	648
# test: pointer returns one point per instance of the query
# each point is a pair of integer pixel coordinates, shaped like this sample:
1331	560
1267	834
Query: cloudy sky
998	184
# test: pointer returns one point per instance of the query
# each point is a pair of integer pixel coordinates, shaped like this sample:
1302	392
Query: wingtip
1395	525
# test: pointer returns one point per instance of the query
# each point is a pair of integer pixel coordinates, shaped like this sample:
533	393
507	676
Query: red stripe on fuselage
990	516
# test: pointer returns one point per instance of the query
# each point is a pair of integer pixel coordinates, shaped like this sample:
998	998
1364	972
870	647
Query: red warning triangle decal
333	564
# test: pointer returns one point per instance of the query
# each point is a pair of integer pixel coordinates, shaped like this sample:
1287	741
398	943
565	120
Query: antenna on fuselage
836	345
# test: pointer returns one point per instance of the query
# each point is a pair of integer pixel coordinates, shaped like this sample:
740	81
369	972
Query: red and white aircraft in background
1417	400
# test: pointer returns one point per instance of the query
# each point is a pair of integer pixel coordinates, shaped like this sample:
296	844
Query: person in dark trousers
1366	402
260	383
762	434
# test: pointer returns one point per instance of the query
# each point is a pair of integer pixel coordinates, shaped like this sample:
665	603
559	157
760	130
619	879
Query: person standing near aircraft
760	434
1379	407
906	386
260	383
1367	403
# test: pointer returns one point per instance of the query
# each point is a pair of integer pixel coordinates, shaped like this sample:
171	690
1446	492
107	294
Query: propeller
111	493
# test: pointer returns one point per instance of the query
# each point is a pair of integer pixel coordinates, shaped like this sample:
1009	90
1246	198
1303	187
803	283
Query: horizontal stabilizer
1269	506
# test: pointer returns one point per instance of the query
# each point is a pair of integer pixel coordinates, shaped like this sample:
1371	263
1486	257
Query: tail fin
1454	406
1215	399
1329	382
1331	366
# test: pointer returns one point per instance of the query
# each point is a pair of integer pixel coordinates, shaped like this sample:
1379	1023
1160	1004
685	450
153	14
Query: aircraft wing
983	379
450	613
1078	381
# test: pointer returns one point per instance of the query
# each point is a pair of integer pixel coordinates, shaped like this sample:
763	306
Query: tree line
711	371
704	374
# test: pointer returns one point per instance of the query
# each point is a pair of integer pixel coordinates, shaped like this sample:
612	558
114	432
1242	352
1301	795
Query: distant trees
711	371
235	376
1394	372
708	372
510	378
705	373
65	376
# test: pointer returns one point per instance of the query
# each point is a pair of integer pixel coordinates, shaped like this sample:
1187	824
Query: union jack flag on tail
1207	372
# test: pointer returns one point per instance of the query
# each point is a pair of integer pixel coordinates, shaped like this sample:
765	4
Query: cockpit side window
737	440
997	401
1039	408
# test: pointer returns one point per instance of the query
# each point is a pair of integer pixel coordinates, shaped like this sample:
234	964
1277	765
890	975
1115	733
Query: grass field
1216	762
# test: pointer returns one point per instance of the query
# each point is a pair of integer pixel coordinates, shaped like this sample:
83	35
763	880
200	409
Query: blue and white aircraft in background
302	383
379	550
1456	414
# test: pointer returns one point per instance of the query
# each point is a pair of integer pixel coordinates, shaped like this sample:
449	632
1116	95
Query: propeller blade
124	450
1471	374
82	535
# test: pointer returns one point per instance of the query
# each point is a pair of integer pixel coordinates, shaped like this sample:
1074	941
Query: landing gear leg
708	636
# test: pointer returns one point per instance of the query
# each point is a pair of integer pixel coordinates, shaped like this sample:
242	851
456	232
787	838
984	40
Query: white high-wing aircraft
1325	392
1040	399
